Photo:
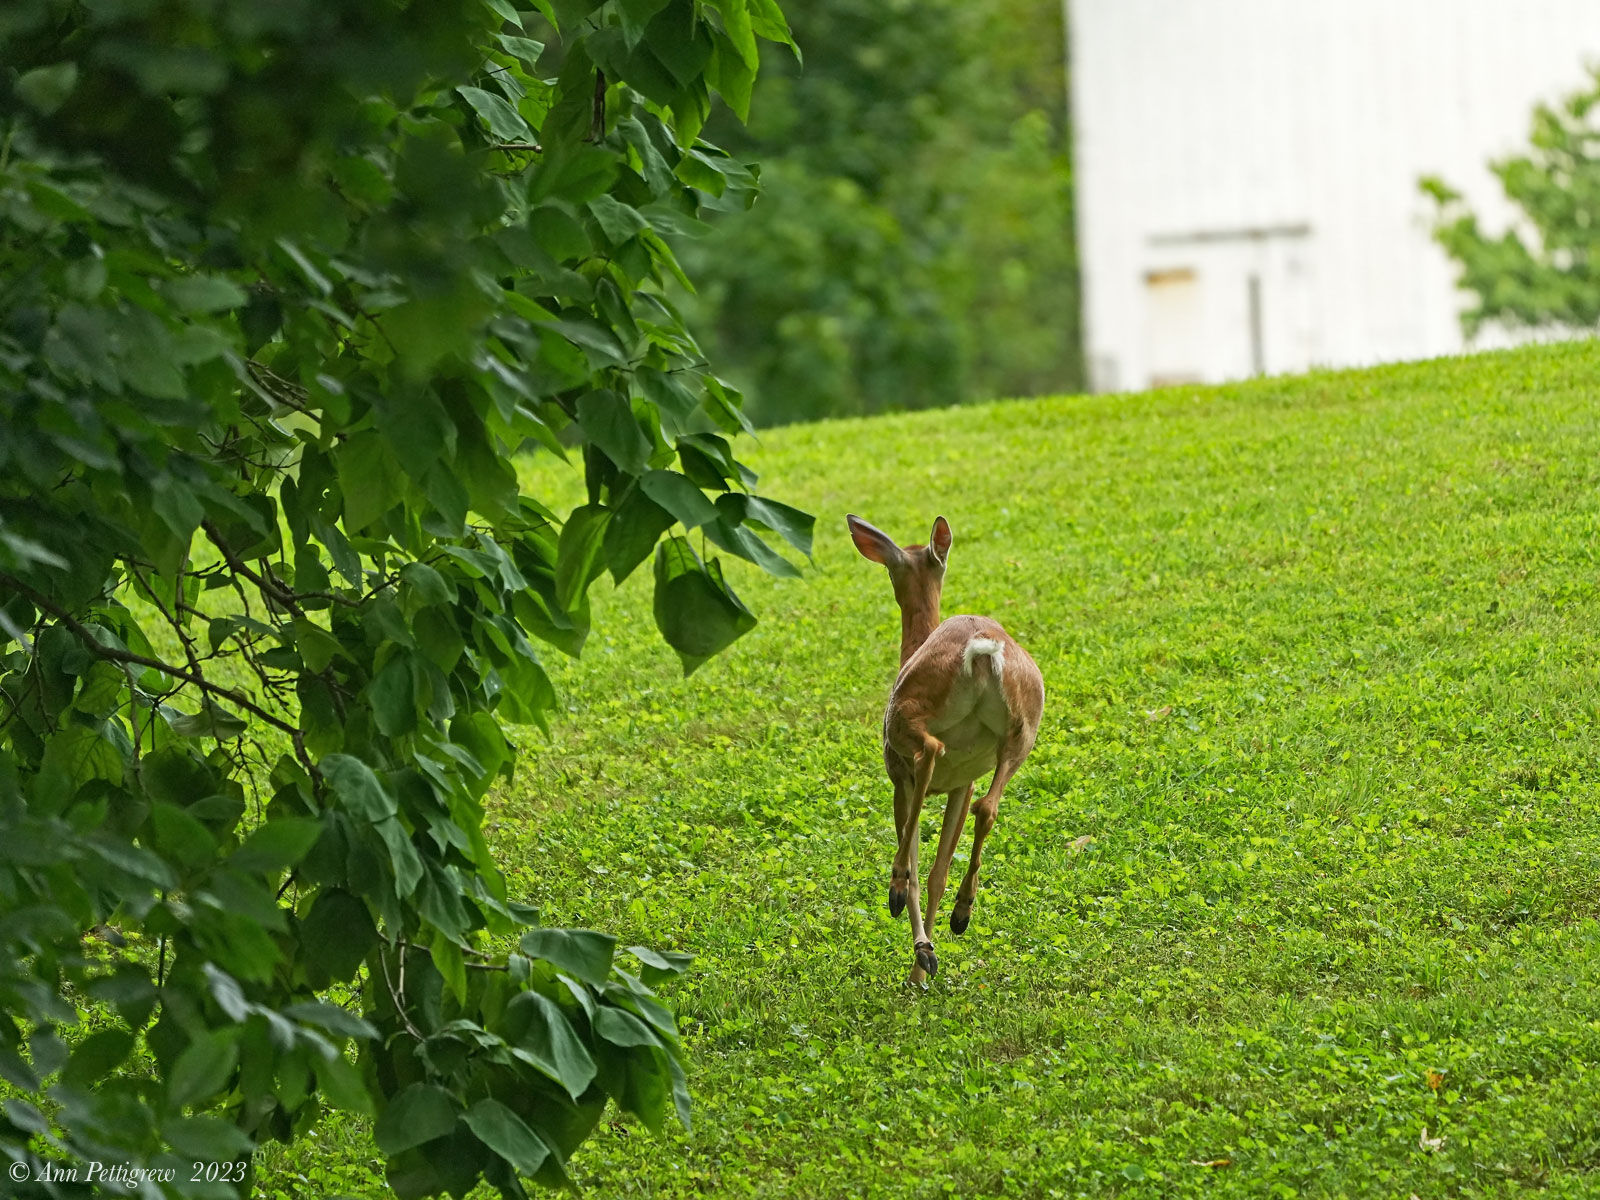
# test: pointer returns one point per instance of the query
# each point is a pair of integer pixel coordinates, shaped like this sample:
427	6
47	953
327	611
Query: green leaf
202	1069
733	75
792	525
210	721
768	21
680	497
506	11
208	1139
575	174
205	293
403	856
503	120
428	585
618	221
660	964
695	610
180	837
357	788
736	24
420	431
420	1113
680	1093
578	553
134	860
580	952
500	1129
637	523
451	964
337	934
47	88
337	1021
341	1085
535	1025
96	1057
737	540
607	420
526	49
622	1028
570	12
679	39
639	1079
392	696
277	845
317	646
369	480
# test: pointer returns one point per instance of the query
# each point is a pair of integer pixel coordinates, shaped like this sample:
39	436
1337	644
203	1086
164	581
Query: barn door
1175	341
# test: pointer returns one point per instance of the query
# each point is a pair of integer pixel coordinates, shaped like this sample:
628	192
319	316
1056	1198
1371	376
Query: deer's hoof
960	916
897	898
927	959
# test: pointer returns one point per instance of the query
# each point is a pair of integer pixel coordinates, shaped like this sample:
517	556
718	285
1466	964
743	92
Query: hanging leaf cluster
284	288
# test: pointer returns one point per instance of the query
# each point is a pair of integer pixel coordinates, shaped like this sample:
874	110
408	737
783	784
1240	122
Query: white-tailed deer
967	701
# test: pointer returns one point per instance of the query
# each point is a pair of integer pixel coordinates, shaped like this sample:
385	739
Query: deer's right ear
873	542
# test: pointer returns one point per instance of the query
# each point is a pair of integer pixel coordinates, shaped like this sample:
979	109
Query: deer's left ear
939	540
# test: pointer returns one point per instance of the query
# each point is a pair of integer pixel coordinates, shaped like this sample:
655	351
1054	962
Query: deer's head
917	573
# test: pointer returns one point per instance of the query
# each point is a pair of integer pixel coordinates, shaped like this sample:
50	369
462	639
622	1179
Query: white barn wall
1220	139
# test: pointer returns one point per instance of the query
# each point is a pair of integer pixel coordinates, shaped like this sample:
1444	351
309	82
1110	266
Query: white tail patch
979	646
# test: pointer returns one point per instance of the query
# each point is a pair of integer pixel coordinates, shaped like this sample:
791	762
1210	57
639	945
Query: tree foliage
915	244
1548	271
282	287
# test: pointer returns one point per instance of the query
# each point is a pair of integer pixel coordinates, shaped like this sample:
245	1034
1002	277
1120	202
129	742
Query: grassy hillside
1321	667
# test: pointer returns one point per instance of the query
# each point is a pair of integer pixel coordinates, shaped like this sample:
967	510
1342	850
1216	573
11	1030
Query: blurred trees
1553	277
914	244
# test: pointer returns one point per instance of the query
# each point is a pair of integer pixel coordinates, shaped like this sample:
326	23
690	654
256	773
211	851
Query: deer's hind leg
1012	753
955	819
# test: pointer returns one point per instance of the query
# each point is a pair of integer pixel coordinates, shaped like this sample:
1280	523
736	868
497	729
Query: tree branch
271	586
111	654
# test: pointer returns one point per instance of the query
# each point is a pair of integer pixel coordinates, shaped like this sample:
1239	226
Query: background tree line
913	246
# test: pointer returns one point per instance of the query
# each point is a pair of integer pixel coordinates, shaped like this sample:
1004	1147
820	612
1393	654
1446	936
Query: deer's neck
919	617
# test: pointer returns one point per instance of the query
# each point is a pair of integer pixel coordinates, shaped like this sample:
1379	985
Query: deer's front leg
902	879
897	886
925	963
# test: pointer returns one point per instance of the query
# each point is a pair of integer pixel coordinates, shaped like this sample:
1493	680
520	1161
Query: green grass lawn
1320	656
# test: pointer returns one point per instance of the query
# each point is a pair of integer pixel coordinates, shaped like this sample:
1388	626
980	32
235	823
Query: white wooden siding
1283	140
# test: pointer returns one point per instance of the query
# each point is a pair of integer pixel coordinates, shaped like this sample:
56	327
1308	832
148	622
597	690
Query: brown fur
944	727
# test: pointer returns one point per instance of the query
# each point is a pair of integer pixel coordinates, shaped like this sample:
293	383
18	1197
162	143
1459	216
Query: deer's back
970	682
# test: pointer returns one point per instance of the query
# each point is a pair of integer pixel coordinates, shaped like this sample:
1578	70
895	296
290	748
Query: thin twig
399	996
597	125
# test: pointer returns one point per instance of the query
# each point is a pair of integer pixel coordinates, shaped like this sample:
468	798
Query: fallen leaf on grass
1211	1162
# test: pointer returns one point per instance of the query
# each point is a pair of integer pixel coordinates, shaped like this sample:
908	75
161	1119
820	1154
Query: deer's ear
873	542
939	540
